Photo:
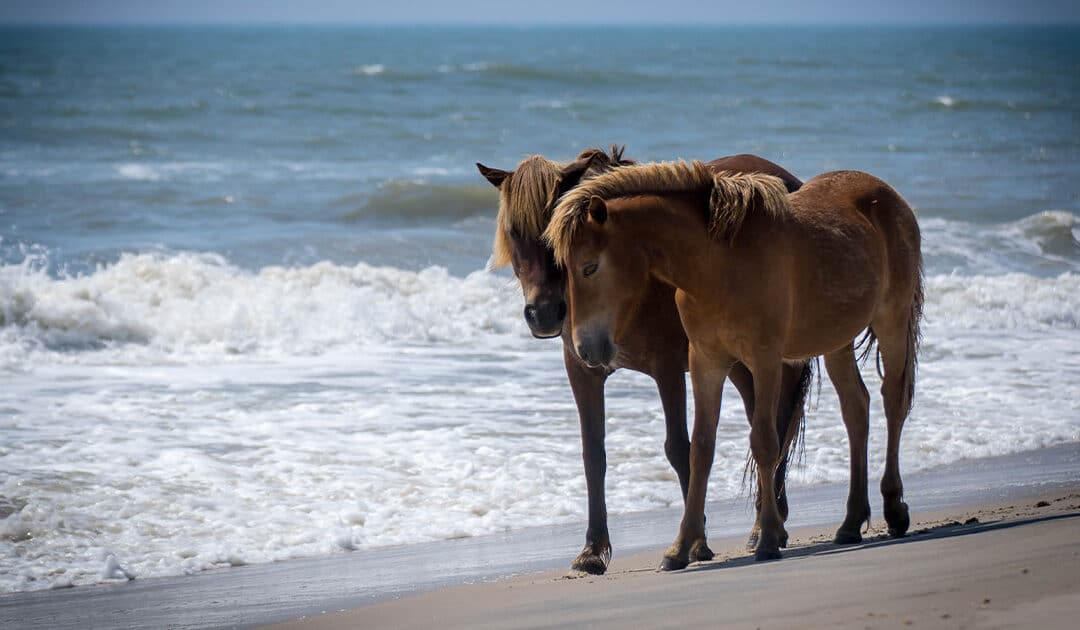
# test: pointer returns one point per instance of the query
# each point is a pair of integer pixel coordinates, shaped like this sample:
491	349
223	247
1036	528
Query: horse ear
597	210
493	175
572	173
617	156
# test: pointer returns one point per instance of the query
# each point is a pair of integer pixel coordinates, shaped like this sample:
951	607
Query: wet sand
1012	564
519	579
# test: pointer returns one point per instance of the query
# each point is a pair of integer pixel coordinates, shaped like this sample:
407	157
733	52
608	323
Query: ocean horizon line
541	25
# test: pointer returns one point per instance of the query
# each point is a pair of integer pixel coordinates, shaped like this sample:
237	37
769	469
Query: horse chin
604	360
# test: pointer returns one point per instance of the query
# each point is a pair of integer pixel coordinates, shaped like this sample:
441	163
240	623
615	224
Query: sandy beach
1020	553
1010	564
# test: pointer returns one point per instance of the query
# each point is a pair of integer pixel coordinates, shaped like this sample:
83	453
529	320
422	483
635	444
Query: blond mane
732	197
527	197
735	195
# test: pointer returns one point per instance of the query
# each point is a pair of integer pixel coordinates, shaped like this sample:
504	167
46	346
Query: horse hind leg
897	385
855	408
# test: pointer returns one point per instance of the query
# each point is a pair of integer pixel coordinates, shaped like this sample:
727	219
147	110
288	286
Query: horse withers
763	278
655	343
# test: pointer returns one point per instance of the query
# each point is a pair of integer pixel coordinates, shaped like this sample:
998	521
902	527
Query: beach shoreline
305	589
1005	564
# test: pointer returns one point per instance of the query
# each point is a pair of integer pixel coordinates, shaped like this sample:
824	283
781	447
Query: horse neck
672	232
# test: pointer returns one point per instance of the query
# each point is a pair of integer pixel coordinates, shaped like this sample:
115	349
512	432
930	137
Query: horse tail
867	343
797	448
796	413
914	335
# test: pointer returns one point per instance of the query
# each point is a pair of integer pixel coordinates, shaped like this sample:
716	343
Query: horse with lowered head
763	278
653	341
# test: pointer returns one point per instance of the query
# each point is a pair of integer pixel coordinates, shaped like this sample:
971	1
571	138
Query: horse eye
589	269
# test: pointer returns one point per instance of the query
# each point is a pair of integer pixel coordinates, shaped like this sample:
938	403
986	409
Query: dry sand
1014	564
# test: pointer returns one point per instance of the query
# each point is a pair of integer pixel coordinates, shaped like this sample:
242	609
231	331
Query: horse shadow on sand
828	548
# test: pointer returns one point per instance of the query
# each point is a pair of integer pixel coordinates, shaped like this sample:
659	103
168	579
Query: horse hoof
752	541
701	552
846	537
783	540
762	555
591	561
898	519
592	565
673	564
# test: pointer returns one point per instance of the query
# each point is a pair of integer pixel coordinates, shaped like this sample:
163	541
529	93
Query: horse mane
735	196
527	197
732	197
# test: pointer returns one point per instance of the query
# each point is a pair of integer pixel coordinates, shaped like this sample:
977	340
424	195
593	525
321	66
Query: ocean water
244	308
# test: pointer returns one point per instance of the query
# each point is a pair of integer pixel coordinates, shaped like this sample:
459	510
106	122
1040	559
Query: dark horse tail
914	339
798	410
795	415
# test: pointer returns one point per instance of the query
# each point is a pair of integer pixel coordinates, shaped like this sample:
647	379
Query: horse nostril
530	314
561	311
583	353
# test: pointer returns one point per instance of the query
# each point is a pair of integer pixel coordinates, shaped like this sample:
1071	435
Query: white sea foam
138	172
198	306
167	171
1046	243
1011	302
166	414
370	69
553	103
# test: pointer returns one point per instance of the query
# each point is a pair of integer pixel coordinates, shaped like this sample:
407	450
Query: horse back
748	163
853	202
867	194
870	197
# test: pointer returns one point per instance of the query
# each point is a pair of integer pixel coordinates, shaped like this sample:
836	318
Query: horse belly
836	293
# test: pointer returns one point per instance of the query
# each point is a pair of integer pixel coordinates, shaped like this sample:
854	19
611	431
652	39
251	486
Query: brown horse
763	277
655	343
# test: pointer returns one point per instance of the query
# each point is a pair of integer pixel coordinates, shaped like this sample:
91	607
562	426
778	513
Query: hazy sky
538	11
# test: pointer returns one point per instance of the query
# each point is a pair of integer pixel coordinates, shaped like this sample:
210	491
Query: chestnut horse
654	344
763	277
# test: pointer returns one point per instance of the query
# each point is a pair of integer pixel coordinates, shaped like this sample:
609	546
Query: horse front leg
707	375
588	387
766	448
671	383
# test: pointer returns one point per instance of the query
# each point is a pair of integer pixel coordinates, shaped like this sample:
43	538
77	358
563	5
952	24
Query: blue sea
245	311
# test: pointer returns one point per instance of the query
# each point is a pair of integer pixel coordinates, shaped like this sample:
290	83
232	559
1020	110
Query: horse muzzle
545	319
596	350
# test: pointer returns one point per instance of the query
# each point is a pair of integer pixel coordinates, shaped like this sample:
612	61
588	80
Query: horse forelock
525	203
527	197
735	196
627	181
